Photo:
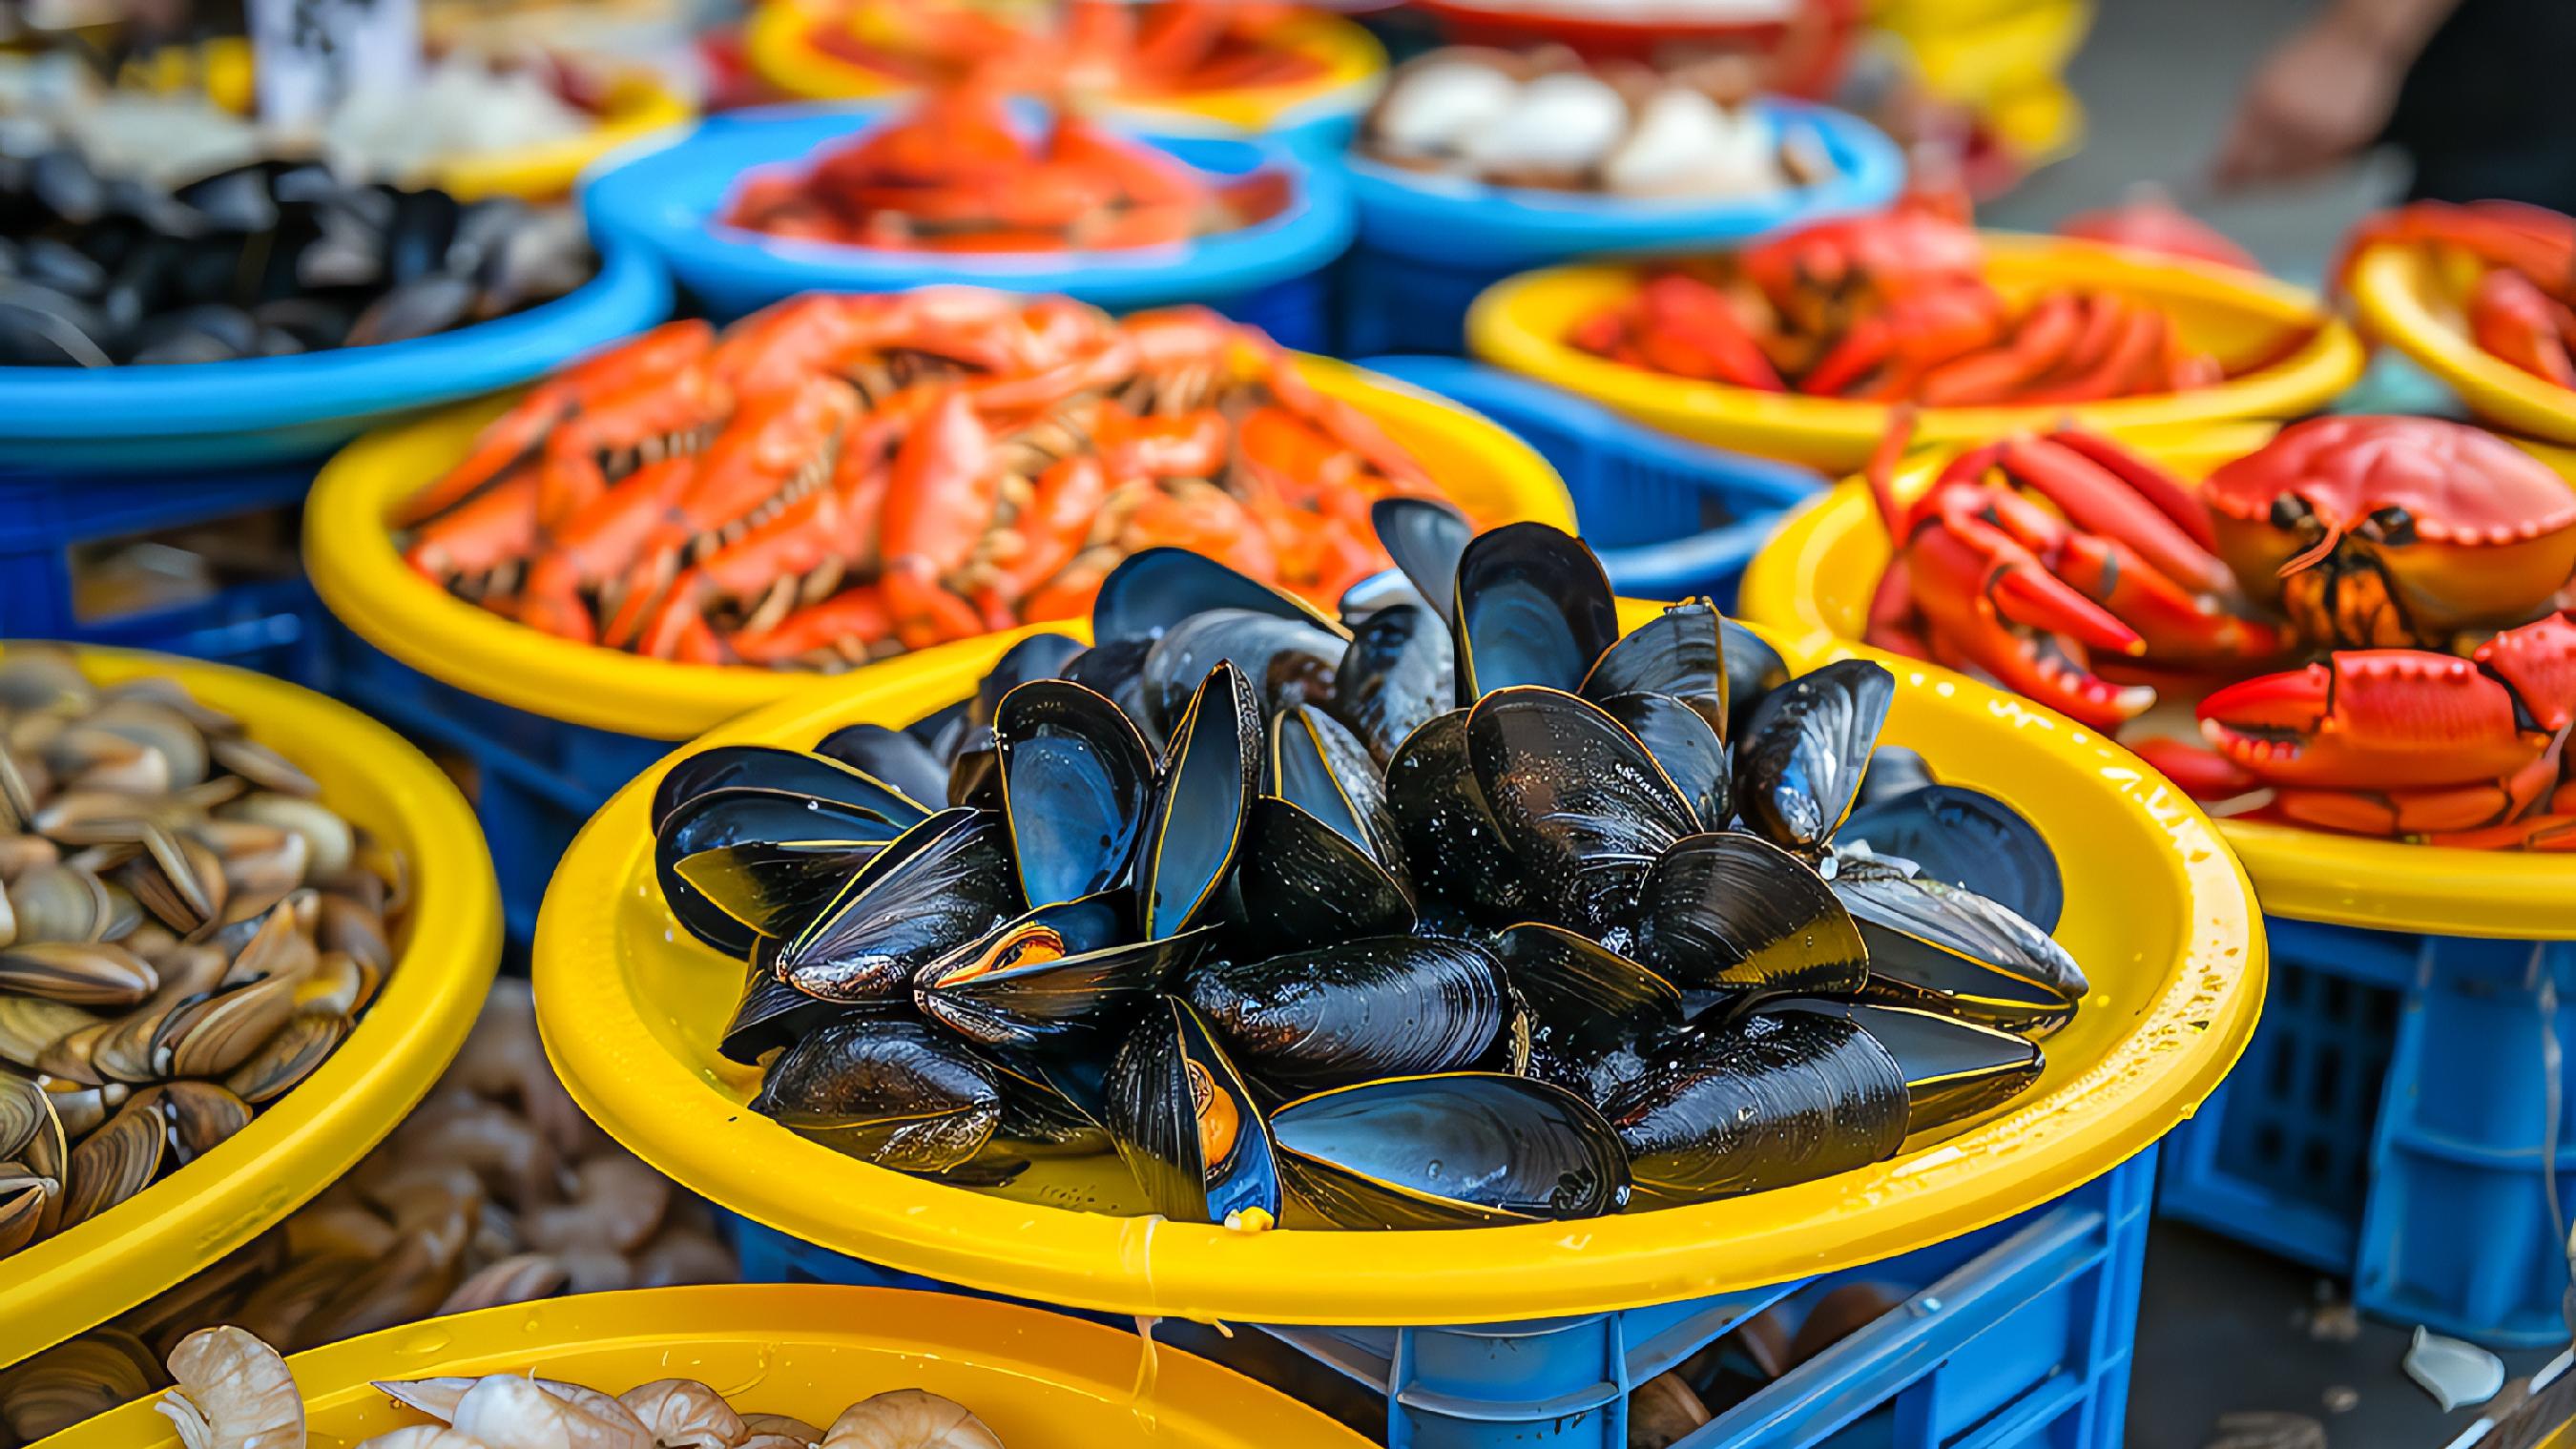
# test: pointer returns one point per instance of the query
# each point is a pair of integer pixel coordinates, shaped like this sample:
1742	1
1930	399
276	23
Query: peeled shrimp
909	1419
440	1397
234	1393
685	1414
508	1412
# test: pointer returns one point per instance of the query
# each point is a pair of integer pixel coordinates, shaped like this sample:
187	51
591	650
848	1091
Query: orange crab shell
2488	537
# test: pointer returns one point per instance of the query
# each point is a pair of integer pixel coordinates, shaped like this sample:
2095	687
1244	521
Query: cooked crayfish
858	475
2522	306
1891	307
2421	567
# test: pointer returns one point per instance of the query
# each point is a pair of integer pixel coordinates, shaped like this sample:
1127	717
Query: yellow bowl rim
2387	285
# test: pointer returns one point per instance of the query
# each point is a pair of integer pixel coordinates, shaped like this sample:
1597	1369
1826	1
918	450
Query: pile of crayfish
956	174
2522	305
2376	612
1892	307
841	478
1082	47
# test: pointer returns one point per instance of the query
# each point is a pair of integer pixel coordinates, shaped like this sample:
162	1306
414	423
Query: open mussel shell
1953	1069
1530	605
1049	1108
1799	765
1459	1149
1382	1006
1039	656
1753	670
1186	1124
1593	1014
1576	797
884	1090
1300	882
83	973
1319	766
784	772
1287	661
890	755
975	770
1759	1102
1452	848
1425	537
1680	652
1682	741
24	1196
1116	672
1969	839
1395	676
772	1014
1934	945
1727	911
1195	828
1075	779
1154	589
179	879
738	863
941	886
1065	974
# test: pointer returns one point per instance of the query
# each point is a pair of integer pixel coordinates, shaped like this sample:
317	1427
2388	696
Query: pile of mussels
1462	910
263	260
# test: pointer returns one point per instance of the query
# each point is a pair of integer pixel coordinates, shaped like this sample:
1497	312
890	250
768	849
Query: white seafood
785	1426
463	107
909	1419
1441	104
505	1411
423	1436
684	1414
234	1392
1685	144
1567	121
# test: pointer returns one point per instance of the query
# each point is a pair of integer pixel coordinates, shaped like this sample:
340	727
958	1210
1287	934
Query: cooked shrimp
234	1393
685	1414
509	1412
909	1419
617	1203
423	1436
521	1278
786	1426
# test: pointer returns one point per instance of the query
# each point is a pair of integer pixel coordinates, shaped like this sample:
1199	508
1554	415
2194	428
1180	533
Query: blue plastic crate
2387	1123
1428	244
272	626
1670	518
2017	1335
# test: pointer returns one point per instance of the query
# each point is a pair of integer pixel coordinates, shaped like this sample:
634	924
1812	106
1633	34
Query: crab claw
2387	719
1990	603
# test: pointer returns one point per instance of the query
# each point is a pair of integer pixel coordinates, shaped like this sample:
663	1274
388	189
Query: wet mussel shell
1039	656
1577	799
1300	882
1426	538
1727	911
1154	589
1753	670
1063	976
1384	1006
1458	1149
1075	776
1682	741
1116	672
1798	767
1969	839
1530	606
1319	766
898	758
772	1013
943	885
1195	827
786	772
1452	848
1395	677
1680	652
884	1090
1287	661
1953	1069
1186	1123
1936	946
737	864
1593	1015
1760	1102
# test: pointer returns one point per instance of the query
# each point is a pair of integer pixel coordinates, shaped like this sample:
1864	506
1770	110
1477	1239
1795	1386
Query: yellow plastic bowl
293	1149
1980	61
1035	1378
1813	583
637	105
775	40
1521	323
2157	911
350	556
2407	297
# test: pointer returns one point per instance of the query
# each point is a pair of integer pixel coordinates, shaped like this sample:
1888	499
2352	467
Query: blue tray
272	409
666	199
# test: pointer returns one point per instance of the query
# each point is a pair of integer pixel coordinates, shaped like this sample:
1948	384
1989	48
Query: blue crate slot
2016	1335
2386	1123
1670	518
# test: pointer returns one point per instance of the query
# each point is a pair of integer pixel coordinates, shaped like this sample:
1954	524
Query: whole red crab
2424	565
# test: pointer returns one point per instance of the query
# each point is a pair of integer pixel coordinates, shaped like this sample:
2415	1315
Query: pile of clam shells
186	932
1463	908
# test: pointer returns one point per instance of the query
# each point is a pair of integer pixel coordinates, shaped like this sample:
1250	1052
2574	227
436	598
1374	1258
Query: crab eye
2290	511
2390	525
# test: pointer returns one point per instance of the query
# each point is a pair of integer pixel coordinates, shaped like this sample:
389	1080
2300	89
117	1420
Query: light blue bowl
666	197
209	415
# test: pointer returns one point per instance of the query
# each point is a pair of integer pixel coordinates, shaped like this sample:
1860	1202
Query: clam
264	768
57	903
1187	1125
1461	1149
329	841
200	1116
212	1035
115	1162
24	1196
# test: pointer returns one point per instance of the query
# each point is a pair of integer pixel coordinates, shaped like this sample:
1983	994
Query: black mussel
1753	670
1686	745
940	730
1194	829
1117	671
1758	1102
1593	1014
894	756
50	263
203	333
1288	661
1065	974
1934	945
975	769
1530	606
412	309
773	1014
1894	772
769	857
1452	848
1075	777
1319	766
1971	840
1358	1010
1460	1149
942	885
1799	765
416	241
1154	589
789	772
1576	797
40	327
1039	656
1727	911
1425	537
1300	882
238	200
1680	653
884	1090
532	258
1047	1110
1187	1125
1395	677
1953	1069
